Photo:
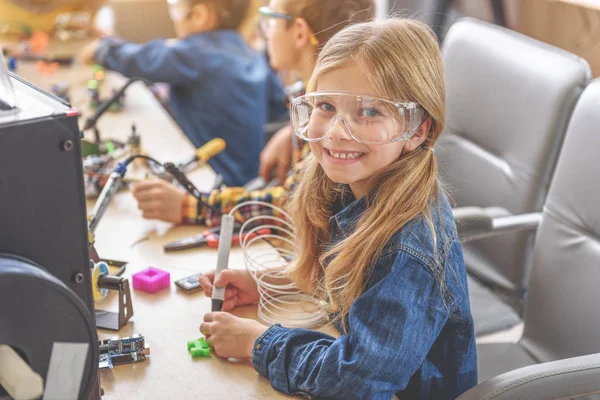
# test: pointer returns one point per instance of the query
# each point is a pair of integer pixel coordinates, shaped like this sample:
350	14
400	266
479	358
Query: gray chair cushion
509	100
490	313
494	359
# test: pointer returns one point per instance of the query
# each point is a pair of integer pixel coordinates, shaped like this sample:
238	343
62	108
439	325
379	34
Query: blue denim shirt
219	88
404	336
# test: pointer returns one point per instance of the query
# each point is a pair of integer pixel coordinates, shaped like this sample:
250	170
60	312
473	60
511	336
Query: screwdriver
210	238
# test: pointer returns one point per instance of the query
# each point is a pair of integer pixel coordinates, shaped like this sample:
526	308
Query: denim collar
347	210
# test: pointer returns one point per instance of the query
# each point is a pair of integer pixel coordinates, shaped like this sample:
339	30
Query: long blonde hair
403	61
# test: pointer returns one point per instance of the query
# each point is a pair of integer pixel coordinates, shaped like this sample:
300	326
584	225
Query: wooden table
170	318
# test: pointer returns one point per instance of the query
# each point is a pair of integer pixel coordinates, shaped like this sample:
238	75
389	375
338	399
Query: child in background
219	86
249	28
376	238
296	30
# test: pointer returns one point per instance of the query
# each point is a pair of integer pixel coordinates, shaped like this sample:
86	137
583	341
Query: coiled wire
281	301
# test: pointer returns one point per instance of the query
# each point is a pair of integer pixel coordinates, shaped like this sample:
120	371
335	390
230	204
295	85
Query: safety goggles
179	10
366	119
267	22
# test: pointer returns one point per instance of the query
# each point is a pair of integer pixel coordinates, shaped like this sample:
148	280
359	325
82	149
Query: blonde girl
376	242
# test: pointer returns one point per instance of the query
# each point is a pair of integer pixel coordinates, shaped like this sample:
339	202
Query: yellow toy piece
99	269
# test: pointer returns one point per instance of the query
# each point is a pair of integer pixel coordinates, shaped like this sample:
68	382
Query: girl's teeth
351	156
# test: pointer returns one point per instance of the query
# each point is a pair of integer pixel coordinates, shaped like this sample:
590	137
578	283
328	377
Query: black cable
181	179
91	121
130	159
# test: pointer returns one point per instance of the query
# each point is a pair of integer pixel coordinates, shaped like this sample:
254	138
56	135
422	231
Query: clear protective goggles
367	119
179	10
268	19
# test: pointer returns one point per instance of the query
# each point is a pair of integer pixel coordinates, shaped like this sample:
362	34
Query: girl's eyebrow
325	97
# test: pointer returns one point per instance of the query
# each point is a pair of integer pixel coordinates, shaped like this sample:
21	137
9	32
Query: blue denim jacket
404	337
219	88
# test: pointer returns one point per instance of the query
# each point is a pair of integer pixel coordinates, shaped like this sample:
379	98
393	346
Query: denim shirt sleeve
155	61
392	327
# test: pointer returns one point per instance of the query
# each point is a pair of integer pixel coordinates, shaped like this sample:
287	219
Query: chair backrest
509	99
561	314
573	378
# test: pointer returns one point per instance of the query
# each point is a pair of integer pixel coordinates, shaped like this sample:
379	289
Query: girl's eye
369	113
326	107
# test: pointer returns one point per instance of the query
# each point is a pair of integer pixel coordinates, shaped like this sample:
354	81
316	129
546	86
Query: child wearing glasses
220	87
295	30
376	239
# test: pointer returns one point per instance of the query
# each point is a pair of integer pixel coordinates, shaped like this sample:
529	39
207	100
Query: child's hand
86	55
159	199
231	336
242	288
278	152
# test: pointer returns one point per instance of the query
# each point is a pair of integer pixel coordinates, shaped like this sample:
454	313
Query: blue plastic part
121	168
103	266
12	64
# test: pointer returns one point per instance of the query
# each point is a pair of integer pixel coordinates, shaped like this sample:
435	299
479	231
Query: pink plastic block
151	280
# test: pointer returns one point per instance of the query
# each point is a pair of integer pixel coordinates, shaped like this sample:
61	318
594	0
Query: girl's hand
231	336
241	290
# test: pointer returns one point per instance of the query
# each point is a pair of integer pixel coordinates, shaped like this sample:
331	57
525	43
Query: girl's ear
303	35
419	137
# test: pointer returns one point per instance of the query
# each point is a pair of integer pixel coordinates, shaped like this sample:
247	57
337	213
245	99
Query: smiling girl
376	241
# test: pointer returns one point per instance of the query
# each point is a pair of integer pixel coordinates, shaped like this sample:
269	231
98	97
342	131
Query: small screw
78	277
67	145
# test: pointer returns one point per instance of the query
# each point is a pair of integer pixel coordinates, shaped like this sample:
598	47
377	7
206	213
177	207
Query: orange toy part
39	41
46	68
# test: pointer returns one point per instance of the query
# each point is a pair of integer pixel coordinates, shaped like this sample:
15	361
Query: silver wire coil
266	256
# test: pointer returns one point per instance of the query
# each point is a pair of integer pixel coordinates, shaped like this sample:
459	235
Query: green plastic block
110	147
196	352
198	348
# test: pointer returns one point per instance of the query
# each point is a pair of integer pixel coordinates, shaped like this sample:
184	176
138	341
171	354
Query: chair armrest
562	379
475	223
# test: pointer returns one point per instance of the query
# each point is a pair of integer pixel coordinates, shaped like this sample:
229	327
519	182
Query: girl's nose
338	129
